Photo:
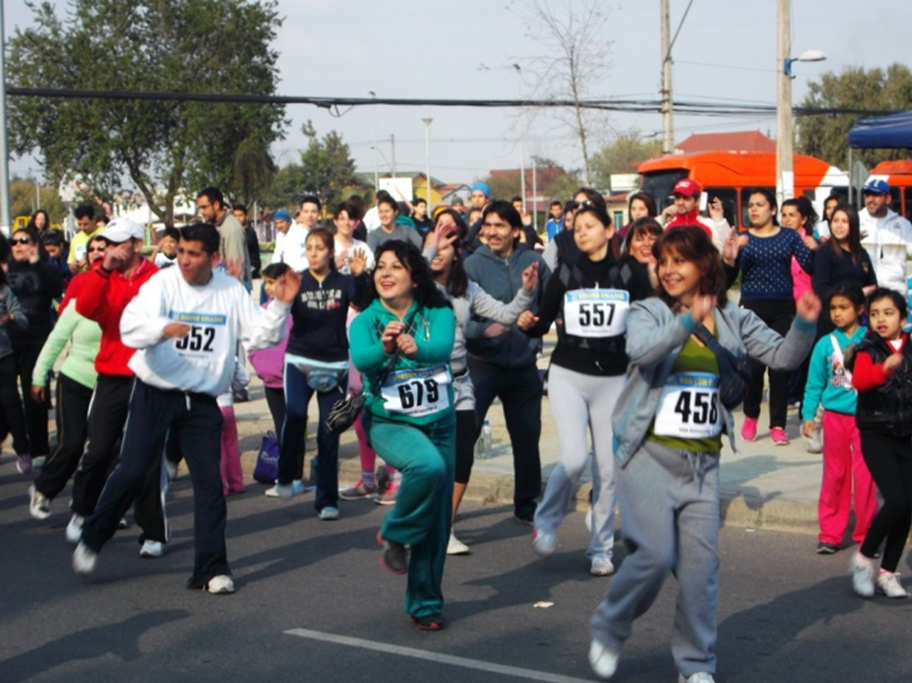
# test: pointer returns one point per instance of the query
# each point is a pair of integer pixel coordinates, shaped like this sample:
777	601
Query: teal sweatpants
426	456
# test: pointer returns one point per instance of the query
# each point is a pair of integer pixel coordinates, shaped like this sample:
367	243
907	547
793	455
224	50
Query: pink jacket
801	281
269	363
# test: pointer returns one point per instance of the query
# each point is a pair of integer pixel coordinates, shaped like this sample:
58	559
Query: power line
333	103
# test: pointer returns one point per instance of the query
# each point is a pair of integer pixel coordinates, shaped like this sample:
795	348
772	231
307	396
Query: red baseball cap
687	188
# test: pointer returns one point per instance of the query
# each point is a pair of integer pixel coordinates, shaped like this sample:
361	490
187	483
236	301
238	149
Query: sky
725	52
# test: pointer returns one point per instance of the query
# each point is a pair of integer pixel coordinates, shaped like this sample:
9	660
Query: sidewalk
763	486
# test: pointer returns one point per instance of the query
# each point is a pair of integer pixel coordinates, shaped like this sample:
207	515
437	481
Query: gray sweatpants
669	501
579	403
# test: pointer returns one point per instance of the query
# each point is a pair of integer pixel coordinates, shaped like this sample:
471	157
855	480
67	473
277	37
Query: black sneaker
395	557
240	395
826	548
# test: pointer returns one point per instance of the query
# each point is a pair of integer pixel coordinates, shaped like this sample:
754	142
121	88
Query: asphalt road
313	604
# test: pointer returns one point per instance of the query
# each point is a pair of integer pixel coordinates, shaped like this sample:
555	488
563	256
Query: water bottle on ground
483	444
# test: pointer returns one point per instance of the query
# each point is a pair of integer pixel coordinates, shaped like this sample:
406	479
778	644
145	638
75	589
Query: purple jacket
269	363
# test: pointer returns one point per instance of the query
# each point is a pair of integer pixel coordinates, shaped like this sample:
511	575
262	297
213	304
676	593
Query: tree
23	200
576	62
623	155
162	147
827	135
328	167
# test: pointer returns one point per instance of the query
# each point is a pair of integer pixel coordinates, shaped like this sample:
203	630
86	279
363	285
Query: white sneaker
603	660
699	677
84	559
171	469
296	487
455	546
74	529
862	575
152	548
220	585
889	585
601	566
543	542
39	504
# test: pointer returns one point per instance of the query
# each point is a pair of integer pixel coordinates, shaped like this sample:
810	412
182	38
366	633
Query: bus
898	175
731	176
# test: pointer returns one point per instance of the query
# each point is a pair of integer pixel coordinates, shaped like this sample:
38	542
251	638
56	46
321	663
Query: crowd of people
431	315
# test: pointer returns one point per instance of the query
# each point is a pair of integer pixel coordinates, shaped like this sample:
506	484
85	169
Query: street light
427	157
376	163
785	174
806	56
522	154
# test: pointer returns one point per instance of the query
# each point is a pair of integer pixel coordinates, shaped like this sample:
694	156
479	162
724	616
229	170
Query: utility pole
785	175
393	153
427	158
667	105
522	152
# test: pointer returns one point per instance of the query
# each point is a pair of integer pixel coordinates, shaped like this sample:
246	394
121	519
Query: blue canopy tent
890	132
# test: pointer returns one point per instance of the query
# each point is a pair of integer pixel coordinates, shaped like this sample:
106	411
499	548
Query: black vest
888	408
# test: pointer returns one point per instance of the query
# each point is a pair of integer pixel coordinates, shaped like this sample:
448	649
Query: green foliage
23	199
622	156
326	170
163	147
827	135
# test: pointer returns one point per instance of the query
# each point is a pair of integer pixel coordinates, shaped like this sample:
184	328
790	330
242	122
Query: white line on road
528	674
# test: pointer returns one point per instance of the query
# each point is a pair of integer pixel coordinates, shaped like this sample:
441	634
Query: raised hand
808	307
530	277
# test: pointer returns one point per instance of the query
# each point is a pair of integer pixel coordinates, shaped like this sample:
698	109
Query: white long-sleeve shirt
219	313
292	248
888	241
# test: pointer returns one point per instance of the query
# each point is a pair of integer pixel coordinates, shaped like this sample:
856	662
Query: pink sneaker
778	436
749	429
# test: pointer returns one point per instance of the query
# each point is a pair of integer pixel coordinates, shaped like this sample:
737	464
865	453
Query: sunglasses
20	240
97	250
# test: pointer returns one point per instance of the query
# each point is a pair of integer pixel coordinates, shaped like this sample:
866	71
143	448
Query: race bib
689	406
417	391
596	312
208	337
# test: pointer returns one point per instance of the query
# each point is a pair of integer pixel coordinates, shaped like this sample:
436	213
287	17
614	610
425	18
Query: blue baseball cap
876	186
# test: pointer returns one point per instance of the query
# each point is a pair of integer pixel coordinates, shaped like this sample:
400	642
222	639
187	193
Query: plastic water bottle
483	445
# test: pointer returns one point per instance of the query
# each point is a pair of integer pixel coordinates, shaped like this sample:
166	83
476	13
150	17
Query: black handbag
734	374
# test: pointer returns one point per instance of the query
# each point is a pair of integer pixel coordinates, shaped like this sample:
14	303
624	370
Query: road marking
517	672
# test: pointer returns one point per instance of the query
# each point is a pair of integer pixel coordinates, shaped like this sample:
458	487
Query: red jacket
103	297
692	218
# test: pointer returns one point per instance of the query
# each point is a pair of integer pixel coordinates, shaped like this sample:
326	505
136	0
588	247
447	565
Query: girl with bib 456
668	426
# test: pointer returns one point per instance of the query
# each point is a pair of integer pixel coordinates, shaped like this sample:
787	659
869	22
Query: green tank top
693	408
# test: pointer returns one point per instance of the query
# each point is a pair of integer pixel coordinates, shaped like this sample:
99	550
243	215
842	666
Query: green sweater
79	365
434	330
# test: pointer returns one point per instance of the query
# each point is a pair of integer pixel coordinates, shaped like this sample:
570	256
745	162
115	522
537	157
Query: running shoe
433	622
359	491
778	437
84	559
24	464
220	585
296	487
826	548
38	461
603	660
124	523
329	514
862	575
455	546
888	584
388	497
152	548
699	677
601	566
39	504
395	556
171	469
543	542
74	529
749	429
